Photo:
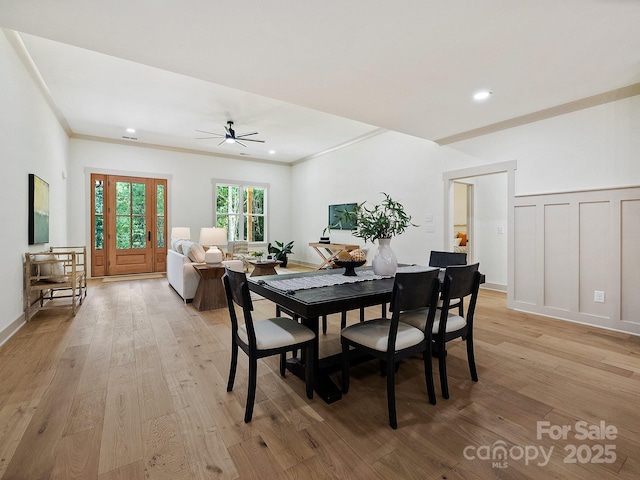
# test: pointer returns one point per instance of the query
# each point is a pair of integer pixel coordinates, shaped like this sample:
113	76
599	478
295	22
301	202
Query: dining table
310	304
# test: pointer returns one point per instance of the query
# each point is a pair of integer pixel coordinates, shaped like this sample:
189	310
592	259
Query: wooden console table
329	251
210	293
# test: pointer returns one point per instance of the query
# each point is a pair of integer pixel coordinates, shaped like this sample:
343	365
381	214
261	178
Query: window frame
243	185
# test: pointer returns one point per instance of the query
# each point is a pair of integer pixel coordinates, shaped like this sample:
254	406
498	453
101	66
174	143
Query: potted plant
258	254
382	222
280	251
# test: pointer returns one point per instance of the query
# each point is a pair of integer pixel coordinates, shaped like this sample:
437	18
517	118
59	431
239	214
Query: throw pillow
196	253
463	239
185	247
178	245
456	241
54	270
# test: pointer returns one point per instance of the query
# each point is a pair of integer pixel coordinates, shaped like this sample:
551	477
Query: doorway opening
490	211
463	218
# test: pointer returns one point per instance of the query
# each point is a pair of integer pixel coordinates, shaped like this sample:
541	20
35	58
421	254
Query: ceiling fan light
230	140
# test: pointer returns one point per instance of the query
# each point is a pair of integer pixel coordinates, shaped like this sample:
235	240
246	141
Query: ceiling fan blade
223	141
238	141
250	140
205	138
210	133
246	134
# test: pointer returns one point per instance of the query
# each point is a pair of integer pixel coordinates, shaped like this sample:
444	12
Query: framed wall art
38	210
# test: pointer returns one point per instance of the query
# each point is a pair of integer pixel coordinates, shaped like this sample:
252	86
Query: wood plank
153	392
77	455
48	422
164	454
122	432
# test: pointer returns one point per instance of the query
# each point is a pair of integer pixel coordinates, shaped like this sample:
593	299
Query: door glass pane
139	232
98	197
160	200
98	206
99	239
123	198
160	232
160	217
139	198
123	232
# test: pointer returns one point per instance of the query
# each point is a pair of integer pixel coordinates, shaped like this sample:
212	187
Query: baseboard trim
494	286
11	329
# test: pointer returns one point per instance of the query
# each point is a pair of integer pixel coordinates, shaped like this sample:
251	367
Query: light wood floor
133	387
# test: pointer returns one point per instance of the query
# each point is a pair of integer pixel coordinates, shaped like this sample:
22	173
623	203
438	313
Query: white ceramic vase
384	261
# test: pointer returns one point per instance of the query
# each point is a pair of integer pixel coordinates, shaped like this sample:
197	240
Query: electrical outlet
431	228
500	230
598	296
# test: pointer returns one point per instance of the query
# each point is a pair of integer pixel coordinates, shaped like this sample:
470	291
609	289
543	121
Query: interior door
128	227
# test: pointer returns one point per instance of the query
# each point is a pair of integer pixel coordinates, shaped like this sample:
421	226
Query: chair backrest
445	259
459	282
237	290
411	291
241	247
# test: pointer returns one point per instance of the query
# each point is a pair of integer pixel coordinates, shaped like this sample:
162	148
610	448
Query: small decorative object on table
350	260
258	254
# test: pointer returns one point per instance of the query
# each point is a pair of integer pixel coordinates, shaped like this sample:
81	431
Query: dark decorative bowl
349	266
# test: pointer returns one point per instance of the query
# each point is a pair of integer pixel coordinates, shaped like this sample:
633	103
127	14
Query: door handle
149	235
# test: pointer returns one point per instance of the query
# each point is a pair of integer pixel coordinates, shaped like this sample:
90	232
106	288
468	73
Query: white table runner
316	281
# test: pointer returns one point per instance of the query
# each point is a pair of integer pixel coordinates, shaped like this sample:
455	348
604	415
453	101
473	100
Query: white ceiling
310	76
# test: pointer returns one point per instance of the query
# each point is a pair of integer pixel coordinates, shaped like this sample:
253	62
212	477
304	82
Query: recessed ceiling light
131	130
272	152
482	95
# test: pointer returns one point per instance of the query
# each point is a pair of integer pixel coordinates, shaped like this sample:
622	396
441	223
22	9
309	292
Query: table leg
323	385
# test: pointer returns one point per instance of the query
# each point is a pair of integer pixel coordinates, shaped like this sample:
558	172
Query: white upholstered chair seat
375	334
418	319
276	332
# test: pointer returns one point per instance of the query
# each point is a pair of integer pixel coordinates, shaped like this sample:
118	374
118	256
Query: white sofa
183	278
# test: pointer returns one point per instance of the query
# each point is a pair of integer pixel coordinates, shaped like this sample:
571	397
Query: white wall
190	184
407	168
490	246
589	149
31	141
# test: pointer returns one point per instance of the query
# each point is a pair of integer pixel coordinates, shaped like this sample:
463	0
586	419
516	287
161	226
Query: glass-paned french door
128	225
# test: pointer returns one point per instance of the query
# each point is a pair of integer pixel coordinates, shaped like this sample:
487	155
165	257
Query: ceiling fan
230	135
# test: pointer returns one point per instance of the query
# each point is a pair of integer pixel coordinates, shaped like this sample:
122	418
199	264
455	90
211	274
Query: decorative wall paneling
567	246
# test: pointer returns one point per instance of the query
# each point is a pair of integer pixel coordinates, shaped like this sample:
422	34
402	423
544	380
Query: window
242	210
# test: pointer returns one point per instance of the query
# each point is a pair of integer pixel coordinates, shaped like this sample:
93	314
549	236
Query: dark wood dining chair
459	281
444	260
393	341
262	338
